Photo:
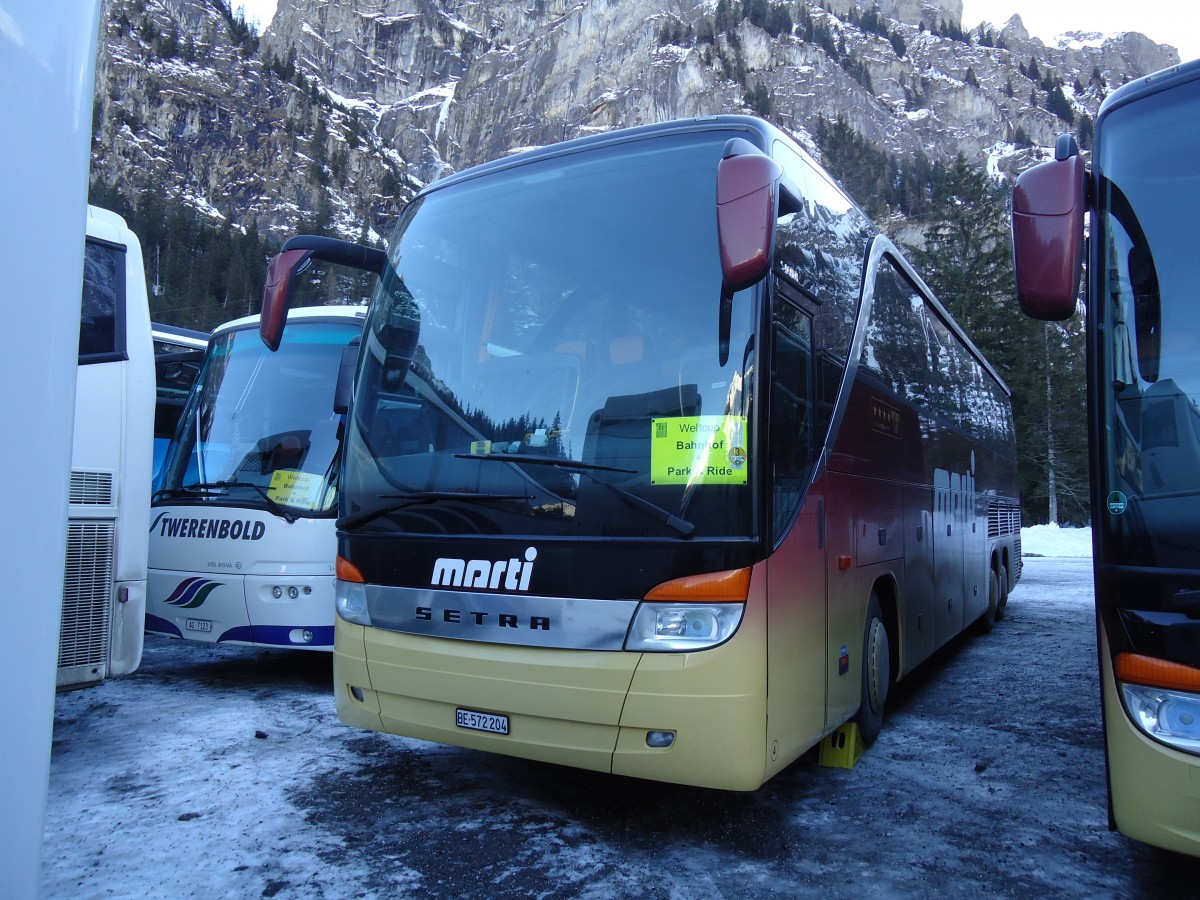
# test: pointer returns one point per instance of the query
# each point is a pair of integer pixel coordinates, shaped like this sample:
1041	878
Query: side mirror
293	259
1049	204
747	190
277	295
345	379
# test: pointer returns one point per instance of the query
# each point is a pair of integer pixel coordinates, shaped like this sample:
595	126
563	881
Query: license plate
198	625
478	721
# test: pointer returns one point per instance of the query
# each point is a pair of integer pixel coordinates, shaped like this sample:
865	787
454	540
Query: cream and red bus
1143	332
661	461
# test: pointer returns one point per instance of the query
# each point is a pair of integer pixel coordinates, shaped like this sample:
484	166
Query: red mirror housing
1049	204
277	292
277	295
747	187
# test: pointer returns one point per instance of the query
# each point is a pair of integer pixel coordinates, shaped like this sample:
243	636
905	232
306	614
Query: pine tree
967	261
1058	104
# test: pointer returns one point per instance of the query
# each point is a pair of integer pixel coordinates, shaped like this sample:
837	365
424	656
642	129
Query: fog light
356	693
660	739
307	589
123	594
277	592
293	592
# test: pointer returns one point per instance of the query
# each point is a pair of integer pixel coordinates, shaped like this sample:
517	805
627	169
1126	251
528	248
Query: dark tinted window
1145	265
102	311
920	358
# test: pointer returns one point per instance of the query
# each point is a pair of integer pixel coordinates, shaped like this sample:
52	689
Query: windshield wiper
534	459
213	486
358	519
682	527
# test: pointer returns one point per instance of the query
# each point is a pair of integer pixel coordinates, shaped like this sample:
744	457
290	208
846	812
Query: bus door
797	601
949	548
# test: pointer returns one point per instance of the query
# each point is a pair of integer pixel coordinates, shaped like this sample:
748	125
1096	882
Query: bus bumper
587	709
1154	789
242	609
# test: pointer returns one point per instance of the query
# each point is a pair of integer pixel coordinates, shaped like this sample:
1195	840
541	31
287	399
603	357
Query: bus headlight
675	627
1172	717
351	602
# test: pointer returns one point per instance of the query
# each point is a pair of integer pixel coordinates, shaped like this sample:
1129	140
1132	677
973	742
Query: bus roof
108	226
300	312
758	131
1149	84
182	337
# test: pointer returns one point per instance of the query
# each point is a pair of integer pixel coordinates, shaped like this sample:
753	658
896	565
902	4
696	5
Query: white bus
104	586
242	540
50	52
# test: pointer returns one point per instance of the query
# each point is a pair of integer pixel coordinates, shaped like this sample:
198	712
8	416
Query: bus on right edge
1143	333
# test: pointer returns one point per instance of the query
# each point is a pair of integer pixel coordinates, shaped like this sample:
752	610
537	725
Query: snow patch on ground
1054	540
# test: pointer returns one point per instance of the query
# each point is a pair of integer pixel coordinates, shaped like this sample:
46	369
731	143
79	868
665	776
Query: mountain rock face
343	108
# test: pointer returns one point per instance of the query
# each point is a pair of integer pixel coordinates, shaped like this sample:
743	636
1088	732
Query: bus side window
102	322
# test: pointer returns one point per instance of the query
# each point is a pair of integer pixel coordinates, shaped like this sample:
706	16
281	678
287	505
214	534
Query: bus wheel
1002	602
876	673
988	620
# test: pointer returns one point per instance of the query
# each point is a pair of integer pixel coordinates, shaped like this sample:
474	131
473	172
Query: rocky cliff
343	108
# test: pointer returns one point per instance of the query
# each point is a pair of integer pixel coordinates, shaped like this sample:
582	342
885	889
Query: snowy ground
223	772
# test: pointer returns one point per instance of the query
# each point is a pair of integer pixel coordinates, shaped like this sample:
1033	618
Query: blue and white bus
242	541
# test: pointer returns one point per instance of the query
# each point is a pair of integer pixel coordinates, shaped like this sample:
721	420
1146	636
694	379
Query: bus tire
988	620
1002	602
876	673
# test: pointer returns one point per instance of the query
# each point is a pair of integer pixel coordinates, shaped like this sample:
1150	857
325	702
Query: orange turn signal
348	571
731	586
1147	670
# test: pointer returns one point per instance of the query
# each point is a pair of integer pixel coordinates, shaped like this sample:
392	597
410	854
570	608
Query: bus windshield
259	427
544	358
1149	193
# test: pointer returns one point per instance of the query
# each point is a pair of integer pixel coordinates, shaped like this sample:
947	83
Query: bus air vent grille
1003	519
91	489
87	593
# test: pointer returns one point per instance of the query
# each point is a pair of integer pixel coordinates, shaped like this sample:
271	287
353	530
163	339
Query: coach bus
661	461
242	525
178	353
104	586
1143	333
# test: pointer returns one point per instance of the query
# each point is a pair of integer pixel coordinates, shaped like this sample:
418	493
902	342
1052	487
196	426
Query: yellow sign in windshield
698	450
290	487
